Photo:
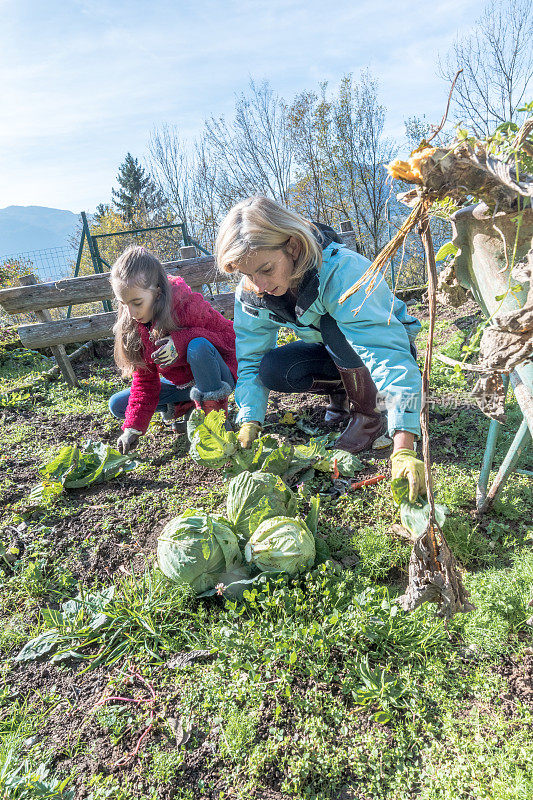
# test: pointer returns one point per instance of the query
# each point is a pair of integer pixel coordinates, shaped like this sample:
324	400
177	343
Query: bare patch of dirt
519	674
127	534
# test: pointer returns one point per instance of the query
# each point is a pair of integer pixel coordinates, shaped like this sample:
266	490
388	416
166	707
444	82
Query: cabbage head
281	544
254	497
195	548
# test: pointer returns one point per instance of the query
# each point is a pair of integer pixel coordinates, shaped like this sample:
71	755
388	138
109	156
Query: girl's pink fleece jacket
197	318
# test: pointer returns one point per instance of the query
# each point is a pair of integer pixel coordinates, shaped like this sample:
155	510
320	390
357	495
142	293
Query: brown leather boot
338	409
366	424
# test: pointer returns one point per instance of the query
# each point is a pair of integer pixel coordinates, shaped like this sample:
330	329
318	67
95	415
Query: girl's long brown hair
137	266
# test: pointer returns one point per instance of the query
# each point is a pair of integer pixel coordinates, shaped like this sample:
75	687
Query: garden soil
127	542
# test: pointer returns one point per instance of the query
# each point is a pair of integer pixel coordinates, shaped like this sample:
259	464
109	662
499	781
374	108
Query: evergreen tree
137	194
101	210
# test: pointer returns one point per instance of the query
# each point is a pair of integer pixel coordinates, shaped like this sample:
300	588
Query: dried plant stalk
378	266
433	573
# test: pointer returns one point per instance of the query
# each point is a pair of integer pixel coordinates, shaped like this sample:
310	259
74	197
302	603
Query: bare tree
207	205
309	119
253	152
340	154
171	168
497	63
360	156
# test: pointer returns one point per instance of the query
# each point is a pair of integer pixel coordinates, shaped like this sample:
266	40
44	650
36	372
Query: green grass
315	686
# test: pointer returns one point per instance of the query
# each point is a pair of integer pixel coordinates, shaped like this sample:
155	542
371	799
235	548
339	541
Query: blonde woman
293	273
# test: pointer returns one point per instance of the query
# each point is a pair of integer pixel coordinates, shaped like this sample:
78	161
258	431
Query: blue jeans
293	367
209	371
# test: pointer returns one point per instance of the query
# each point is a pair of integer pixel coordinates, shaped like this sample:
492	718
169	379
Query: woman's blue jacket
380	333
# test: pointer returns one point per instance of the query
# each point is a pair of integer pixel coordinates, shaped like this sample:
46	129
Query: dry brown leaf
434	578
181	660
489	394
509	340
449	290
403	533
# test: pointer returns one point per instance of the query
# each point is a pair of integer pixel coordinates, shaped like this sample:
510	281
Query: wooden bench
39	298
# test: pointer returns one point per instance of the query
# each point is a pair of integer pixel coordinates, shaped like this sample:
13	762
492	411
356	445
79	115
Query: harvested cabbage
281	544
254	497
195	549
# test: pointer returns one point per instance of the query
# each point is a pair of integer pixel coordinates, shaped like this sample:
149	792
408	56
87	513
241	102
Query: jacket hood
307	291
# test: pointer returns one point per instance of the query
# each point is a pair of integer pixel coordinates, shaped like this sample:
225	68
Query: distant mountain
27	228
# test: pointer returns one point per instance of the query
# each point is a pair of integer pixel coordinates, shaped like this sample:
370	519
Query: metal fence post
348	235
78	264
95	255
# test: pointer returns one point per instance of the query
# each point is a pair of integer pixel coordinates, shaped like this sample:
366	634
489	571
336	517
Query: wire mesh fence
57	263
165	244
51	264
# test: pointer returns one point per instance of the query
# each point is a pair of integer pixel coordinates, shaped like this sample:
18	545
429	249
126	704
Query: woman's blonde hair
259	223
137	266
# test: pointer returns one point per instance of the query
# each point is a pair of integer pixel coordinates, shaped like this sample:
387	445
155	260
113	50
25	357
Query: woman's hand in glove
166	353
247	433
128	441
405	464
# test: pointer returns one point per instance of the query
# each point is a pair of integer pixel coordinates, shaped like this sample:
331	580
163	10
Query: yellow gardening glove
247	433
405	464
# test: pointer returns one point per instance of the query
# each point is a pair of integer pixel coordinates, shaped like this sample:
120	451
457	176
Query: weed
139	614
23	782
116	720
495	763
468	543
379	552
164	766
500	597
238	734
107	787
377	688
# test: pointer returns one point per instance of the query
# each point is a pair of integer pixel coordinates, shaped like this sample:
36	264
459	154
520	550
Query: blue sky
86	81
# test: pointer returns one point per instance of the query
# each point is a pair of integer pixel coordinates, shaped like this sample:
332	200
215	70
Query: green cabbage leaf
195	548
254	497
94	462
415	516
281	544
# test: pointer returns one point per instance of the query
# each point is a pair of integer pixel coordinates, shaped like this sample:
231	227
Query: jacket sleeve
144	397
196	316
379	338
254	338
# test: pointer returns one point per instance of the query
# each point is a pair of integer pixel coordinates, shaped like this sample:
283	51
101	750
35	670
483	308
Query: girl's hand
128	441
166	353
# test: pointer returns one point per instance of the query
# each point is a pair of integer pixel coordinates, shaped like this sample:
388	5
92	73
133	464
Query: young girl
293	274
180	351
